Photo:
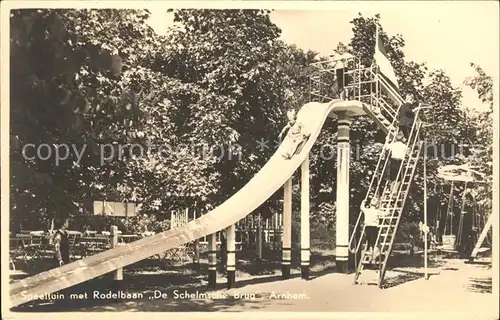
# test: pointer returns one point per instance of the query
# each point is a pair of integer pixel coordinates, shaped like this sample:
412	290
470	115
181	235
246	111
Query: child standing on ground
61	243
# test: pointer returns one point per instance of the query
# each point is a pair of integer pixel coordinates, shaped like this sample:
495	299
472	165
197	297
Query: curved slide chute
264	184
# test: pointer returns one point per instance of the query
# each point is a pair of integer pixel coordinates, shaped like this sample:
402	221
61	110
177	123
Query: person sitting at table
61	243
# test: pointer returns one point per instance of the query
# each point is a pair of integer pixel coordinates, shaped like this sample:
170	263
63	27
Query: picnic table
96	243
127	238
27	247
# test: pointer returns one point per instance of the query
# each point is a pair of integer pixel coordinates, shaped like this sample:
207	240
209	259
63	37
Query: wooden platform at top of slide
265	183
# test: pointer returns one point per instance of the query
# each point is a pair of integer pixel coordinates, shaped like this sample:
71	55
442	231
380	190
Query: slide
265	183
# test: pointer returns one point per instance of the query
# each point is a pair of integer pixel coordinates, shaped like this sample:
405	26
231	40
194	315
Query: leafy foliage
481	156
175	121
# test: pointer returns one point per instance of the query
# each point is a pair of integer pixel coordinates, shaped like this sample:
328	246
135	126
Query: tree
481	138
228	58
176	121
68	93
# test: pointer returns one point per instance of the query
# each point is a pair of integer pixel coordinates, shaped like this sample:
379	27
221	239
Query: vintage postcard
288	160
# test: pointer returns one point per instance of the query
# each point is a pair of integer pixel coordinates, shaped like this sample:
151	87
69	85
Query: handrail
391	129
420	143
384	150
393	235
392	112
383	106
415	122
374	70
393	208
382	98
356	246
405	171
393	205
411	141
390	88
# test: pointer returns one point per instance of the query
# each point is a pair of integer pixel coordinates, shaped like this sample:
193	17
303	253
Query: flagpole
374	66
425	209
376	41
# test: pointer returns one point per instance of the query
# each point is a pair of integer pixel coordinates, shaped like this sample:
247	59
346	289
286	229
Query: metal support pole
425	211
118	274
342	214
304	221
231	255
287	230
259	237
212	260
196	246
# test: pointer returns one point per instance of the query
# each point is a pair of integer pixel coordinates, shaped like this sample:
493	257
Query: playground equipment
467	174
360	91
265	183
478	247
459	173
392	202
368	85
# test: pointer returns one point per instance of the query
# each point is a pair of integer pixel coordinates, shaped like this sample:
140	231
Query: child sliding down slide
295	134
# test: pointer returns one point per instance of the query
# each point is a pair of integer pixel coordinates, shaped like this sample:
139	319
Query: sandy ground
456	287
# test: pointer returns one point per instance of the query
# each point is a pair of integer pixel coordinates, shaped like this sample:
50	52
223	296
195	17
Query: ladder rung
382	243
388	218
387	226
388	208
384	248
385	235
367	256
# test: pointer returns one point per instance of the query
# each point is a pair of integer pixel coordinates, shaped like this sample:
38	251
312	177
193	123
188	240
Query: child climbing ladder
372	215
295	134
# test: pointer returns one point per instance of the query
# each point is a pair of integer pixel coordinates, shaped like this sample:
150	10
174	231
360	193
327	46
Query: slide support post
287	230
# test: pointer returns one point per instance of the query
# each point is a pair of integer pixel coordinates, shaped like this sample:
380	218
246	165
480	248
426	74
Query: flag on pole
383	62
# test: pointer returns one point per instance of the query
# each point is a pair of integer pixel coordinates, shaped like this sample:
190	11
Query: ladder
391	203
